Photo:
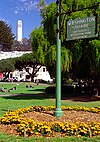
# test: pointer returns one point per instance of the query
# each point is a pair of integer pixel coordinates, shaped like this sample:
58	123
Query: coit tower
19	30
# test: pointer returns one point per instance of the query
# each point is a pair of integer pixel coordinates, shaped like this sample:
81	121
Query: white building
18	75
12	54
41	75
19	30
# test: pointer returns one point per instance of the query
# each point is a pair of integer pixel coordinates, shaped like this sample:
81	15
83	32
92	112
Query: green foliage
86	60
37	38
66	60
49	23
6	36
95	44
39	44
50	60
24	61
7	65
40	55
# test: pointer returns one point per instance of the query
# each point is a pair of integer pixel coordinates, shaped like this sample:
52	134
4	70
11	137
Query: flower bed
27	126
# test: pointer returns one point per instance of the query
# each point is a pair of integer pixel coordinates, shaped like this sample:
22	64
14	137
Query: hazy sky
12	10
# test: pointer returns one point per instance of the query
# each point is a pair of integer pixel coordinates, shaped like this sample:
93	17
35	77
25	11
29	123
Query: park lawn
8	138
35	96
23	96
23	87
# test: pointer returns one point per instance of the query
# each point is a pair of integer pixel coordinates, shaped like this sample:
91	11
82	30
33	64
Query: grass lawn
34	95
7	138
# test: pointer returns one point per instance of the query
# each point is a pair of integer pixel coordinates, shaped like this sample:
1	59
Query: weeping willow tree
40	55
66	61
43	39
95	58
50	60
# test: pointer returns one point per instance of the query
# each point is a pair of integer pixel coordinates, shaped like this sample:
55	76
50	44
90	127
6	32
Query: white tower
19	30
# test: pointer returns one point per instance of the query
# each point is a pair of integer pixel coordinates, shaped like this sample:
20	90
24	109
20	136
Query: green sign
81	28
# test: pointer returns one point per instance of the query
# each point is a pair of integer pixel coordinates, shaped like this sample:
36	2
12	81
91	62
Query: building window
27	76
11	75
20	75
44	69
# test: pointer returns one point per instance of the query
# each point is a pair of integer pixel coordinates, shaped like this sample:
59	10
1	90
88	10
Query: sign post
58	111
76	29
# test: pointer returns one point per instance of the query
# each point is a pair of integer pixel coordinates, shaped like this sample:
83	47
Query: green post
58	112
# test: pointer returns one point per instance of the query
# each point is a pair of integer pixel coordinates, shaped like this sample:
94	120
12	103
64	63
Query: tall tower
19	30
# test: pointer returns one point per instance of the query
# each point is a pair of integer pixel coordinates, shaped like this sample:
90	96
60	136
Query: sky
13	10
